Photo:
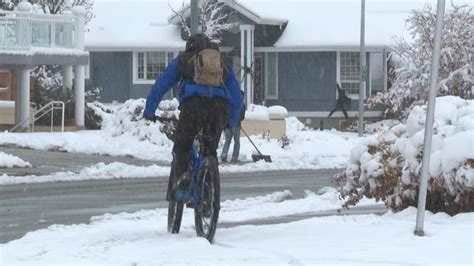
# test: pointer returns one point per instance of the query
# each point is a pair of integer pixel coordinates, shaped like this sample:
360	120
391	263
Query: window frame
338	74
369	72
137	80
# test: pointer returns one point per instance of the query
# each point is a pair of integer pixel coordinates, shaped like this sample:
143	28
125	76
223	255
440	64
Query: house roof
312	24
175	19
335	24
124	25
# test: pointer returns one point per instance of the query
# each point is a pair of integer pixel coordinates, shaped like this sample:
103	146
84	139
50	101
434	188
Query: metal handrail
43	111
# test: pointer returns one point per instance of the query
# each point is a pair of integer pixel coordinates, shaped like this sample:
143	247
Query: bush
387	166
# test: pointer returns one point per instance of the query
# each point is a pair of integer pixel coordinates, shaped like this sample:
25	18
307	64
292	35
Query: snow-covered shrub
126	119
387	166
456	77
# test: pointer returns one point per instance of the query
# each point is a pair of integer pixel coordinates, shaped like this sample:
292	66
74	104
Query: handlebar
166	119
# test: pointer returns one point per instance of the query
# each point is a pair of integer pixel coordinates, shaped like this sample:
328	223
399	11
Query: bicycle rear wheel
206	213
175	214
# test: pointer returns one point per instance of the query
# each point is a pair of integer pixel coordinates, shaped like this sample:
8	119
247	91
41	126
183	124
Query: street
29	207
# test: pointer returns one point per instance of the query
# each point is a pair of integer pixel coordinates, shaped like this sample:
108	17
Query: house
27	40
297	50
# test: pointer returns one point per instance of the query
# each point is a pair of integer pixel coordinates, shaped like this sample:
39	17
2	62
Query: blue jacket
230	91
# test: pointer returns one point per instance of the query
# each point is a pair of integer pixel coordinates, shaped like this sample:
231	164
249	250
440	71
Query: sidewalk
48	162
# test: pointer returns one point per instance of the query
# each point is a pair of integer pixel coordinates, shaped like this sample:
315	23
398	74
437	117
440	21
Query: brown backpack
208	68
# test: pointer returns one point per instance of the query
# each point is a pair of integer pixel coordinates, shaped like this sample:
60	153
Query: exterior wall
7	85
111	71
306	81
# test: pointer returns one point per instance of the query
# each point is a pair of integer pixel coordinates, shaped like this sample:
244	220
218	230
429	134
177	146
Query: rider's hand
150	117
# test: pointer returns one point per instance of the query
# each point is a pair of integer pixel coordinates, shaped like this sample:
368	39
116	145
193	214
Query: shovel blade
258	157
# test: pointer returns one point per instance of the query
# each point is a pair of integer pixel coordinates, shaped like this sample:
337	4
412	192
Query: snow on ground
115	170
141	238
10	161
308	149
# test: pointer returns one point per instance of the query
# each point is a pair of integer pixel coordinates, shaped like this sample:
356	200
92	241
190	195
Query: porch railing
47	109
22	30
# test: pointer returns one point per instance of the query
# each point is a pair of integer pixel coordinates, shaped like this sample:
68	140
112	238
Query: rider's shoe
235	160
182	192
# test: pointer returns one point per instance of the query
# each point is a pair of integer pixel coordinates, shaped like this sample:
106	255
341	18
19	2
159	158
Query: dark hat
197	42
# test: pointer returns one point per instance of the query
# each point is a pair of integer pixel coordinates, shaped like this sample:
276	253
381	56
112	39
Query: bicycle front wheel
206	213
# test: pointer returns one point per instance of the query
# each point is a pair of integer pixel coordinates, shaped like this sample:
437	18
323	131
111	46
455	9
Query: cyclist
201	106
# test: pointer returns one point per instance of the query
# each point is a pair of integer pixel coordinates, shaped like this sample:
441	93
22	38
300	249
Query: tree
212	19
411	83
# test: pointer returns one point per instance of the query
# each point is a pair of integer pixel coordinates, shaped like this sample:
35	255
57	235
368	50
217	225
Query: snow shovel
259	156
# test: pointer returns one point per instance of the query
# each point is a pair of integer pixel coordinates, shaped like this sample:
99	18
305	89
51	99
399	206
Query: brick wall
7	85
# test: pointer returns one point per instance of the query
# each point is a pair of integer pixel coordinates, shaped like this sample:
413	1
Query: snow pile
10	161
257	112
100	171
387	166
263	113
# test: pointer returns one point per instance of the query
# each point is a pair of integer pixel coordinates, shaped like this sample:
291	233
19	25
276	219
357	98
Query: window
350	72
271	76
376	73
148	66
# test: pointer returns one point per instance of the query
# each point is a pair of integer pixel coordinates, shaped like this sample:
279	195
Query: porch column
247	61
79	70
67	77
22	103
79	95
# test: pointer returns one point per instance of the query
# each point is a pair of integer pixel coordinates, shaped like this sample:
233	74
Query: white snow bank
115	170
141	238
10	161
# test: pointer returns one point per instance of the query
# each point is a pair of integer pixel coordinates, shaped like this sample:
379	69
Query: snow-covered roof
133	25
186	11
312	24
321	24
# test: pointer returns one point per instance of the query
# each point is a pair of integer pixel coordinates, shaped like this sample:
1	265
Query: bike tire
206	213
175	214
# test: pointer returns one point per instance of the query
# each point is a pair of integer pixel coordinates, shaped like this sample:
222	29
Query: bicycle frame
195	161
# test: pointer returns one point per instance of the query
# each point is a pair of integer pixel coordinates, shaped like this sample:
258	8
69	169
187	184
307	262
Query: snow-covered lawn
141	238
308	149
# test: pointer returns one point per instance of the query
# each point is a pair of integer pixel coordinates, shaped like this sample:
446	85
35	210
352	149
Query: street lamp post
194	16
362	70
420	217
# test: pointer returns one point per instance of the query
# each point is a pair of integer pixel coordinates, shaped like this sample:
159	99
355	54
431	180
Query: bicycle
204	190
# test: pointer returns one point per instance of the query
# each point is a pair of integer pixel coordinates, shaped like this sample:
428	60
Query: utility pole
362	70
420	215
194	16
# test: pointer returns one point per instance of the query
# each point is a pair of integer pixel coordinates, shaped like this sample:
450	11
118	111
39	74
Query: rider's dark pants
209	113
